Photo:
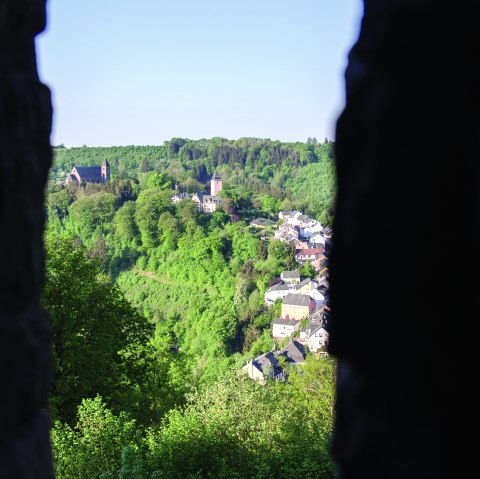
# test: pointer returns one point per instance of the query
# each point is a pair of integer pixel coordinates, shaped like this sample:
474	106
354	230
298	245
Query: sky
140	72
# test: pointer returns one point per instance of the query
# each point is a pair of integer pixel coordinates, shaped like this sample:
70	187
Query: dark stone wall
404	265
25	157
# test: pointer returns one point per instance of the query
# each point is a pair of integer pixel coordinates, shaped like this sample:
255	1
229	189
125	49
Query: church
90	174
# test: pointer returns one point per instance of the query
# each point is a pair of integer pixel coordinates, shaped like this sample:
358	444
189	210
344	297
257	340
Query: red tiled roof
309	251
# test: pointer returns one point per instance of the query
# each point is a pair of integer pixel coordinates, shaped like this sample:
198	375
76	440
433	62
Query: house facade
267	365
305	286
297	306
284	328
317	296
279	291
318	339
290	277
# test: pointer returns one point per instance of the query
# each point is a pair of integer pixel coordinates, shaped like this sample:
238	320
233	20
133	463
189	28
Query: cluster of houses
303	320
310	238
304	310
205	203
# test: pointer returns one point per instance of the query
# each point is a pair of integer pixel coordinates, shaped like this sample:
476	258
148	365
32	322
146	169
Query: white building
284	328
318	338
317	297
279	291
210	203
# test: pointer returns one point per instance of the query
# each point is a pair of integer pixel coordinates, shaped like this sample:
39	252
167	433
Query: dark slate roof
285	322
216	176
267	361
290	274
303	283
297	299
279	287
89	172
294	352
210	198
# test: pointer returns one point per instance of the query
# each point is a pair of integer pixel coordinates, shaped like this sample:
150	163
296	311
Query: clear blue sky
139	72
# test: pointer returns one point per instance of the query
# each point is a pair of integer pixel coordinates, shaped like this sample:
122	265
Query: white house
284	328
286	215
317	297
317	238
310	229
176	198
279	291
318	338
297	218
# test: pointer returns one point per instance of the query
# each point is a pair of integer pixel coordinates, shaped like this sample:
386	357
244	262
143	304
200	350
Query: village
303	322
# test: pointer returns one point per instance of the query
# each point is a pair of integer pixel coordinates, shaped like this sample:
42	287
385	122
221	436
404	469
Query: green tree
269	204
125	229
149	206
91	215
95	445
308	270
159	180
99	341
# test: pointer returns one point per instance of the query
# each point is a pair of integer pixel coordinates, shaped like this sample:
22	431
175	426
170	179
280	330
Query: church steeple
105	171
215	184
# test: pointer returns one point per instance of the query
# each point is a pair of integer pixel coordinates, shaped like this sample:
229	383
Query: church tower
215	184
105	171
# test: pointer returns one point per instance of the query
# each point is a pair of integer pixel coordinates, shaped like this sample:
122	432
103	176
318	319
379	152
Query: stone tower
215	184
105	171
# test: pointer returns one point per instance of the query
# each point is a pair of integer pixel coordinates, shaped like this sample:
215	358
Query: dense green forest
155	307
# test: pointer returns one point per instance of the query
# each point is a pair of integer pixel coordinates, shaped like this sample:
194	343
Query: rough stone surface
25	158
404	265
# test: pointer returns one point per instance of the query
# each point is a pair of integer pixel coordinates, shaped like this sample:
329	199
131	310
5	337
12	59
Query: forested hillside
156	306
271	171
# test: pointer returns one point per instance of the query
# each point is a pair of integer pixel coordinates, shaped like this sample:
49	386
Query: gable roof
279	287
267	361
284	322
294	352
303	283
290	274
297	299
216	176
89	172
316	328
309	251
